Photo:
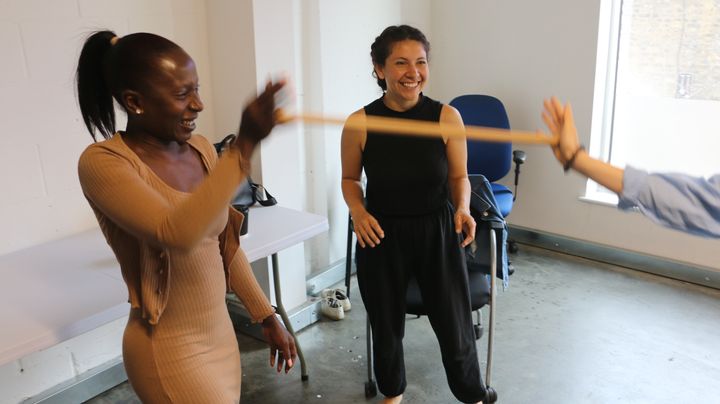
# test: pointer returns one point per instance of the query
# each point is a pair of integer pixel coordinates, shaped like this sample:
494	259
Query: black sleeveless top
406	176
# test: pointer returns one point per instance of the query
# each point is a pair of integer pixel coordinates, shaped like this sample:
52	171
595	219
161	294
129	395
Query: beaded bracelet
572	158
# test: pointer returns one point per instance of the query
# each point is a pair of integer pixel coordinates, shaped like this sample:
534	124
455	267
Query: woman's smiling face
172	101
405	73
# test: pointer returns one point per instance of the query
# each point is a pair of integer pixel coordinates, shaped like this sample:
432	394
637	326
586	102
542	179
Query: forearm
245	286
190	222
115	188
603	173
460	193
353	195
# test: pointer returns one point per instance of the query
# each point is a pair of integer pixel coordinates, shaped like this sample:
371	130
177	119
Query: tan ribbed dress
179	345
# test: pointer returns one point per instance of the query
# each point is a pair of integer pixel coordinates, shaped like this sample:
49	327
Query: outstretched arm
559	119
682	202
112	184
679	201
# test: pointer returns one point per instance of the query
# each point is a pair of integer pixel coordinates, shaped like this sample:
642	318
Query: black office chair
482	292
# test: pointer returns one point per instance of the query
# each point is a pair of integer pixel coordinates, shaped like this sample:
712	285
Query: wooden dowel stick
425	128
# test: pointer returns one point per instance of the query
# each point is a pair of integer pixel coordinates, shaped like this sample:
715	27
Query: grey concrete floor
569	330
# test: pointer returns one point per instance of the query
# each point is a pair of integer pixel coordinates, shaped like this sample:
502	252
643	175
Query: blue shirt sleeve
682	202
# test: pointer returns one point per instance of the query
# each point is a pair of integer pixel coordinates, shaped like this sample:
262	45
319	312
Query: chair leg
490	395
478	328
370	384
512	246
348	257
491	303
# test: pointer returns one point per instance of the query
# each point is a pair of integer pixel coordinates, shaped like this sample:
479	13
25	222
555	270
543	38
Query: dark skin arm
259	117
282	344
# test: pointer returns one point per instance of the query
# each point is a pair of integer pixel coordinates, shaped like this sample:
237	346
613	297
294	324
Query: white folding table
58	290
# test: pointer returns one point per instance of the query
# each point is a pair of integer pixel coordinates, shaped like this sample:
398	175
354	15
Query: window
657	87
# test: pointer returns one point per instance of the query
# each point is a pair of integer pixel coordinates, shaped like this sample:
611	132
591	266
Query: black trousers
427	248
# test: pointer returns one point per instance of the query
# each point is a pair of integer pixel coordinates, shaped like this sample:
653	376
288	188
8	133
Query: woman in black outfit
406	225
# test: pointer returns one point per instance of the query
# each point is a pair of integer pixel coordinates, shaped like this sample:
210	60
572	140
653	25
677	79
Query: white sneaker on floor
339	295
332	308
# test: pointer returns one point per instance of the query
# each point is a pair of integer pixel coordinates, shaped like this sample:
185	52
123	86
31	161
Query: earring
138	111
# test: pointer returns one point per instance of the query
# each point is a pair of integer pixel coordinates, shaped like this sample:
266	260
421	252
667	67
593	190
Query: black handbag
249	192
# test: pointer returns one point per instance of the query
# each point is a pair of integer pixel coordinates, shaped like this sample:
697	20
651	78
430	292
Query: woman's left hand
282	344
464	223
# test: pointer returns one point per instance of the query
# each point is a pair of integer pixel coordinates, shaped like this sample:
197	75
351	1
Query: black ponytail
94	95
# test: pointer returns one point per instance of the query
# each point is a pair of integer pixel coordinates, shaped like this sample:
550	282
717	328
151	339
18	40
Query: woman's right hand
561	123
259	117
367	228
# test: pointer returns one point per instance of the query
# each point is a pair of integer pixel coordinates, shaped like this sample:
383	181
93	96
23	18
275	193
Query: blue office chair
491	159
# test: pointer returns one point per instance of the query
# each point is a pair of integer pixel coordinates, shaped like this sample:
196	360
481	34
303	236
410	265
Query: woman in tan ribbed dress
161	197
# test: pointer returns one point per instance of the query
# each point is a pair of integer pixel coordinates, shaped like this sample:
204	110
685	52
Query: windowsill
600	198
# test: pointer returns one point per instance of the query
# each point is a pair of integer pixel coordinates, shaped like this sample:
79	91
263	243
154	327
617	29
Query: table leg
283	314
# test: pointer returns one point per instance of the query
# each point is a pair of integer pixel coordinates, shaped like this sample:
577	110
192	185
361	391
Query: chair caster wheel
478	331
305	378
490	396
370	389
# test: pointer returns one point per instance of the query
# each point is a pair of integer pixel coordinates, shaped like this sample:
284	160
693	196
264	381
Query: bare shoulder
354	131
450	114
450	118
359	114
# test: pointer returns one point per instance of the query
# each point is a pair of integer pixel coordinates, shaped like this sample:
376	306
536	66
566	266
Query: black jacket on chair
484	209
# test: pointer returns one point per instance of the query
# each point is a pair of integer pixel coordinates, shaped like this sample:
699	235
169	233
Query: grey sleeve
679	201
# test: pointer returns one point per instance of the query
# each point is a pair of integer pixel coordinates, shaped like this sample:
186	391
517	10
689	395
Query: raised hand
559	119
259	117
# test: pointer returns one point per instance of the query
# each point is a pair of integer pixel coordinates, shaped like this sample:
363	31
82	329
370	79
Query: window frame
605	87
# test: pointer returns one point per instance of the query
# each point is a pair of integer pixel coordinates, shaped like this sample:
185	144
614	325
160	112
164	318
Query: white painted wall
282	163
231	48
45	369
522	52
346	86
44	135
